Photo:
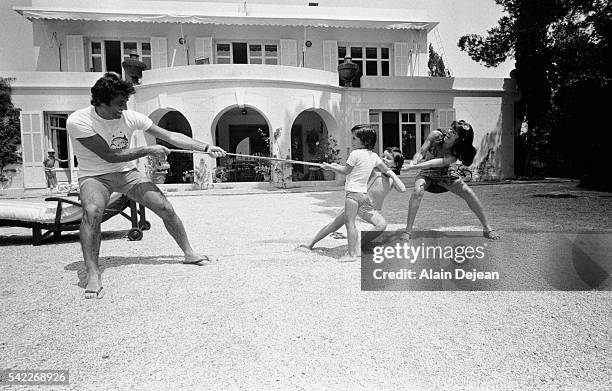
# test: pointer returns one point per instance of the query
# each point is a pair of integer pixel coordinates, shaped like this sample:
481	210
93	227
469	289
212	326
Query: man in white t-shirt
100	137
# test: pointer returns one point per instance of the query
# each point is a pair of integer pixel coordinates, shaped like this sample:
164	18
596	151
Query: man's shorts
366	206
120	182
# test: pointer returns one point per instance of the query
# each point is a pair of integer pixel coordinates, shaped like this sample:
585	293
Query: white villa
233	74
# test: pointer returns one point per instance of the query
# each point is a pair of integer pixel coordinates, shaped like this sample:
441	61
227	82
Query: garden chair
60	214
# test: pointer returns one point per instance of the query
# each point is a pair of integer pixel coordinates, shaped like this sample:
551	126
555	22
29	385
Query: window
107	55
415	127
143	48
372	60
257	53
57	137
409	129
271	54
224	53
374	120
96	56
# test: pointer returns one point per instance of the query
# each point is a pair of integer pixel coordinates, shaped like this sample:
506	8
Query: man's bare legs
150	196
413	205
464	191
94	198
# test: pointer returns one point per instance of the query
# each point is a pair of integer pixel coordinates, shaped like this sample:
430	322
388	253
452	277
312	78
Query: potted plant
156	169
327	151
262	170
220	174
198	177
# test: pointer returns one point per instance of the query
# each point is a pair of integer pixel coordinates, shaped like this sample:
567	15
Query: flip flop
405	236
491	234
203	258
98	294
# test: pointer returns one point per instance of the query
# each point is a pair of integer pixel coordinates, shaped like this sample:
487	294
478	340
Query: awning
227	14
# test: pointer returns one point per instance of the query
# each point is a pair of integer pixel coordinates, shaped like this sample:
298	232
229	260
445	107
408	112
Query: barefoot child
358	169
49	164
379	186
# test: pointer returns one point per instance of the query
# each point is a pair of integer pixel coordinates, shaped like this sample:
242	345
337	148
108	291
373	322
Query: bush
10	133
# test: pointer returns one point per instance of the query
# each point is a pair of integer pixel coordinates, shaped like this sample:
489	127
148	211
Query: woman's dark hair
108	87
463	148
366	134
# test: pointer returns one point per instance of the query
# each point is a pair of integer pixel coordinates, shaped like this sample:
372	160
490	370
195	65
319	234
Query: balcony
244	73
51	80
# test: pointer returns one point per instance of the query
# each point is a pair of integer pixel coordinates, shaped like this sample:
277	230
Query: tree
436	64
561	48
10	137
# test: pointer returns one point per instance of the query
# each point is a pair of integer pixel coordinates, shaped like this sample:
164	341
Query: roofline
229	14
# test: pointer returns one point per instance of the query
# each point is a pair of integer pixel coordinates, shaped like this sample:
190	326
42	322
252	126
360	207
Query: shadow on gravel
72	237
110	262
331	252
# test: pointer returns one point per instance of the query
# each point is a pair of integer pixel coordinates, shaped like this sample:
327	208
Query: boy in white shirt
379	186
358	169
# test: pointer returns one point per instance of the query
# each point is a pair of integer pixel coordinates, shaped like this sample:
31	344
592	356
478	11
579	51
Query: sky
456	18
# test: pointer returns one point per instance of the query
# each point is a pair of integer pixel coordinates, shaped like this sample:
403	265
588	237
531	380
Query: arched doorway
244	131
174	121
309	140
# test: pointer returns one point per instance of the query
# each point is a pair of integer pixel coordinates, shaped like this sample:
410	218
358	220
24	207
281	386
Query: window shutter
288	52
330	56
76	53
401	56
32	130
159	52
360	116
445	117
203	50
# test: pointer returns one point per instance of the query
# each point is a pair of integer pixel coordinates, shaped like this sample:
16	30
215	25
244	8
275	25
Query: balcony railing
240	72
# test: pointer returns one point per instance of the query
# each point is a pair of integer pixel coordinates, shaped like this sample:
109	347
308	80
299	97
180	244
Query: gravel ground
267	317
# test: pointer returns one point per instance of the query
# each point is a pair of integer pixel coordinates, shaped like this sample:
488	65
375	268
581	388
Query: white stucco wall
47	58
276	93
203	93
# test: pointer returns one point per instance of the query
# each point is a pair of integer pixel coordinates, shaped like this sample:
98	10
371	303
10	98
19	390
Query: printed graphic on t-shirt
119	140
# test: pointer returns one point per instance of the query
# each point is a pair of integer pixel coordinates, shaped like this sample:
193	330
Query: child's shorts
366	206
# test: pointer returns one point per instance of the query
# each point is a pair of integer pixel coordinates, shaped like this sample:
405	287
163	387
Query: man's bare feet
94	289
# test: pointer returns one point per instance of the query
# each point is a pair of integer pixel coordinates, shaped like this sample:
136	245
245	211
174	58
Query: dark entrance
112	50
390	126
174	121
240	53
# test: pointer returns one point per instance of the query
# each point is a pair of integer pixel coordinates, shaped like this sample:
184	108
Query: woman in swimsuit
441	149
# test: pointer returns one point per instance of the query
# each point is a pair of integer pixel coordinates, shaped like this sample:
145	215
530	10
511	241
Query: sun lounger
60	214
